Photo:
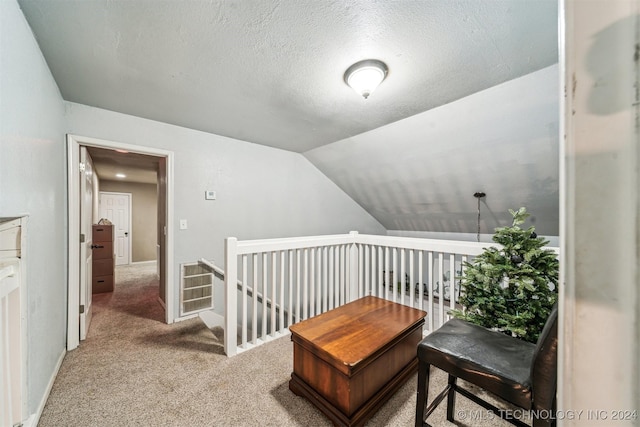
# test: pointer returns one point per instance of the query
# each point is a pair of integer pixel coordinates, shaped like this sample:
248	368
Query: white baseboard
34	419
183	318
153	261
212	319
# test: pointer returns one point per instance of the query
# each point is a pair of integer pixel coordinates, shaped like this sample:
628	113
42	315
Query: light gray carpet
134	370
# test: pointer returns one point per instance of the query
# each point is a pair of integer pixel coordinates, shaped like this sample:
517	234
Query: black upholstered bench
519	372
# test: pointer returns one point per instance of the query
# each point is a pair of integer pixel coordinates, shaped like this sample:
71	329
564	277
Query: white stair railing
302	277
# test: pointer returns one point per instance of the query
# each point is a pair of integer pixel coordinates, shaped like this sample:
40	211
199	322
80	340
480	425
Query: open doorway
128	198
157	165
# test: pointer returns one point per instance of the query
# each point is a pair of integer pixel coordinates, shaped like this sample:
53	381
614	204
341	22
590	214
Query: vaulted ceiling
271	71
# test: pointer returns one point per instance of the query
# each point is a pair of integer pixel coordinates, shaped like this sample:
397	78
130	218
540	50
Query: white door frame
130	239
73	158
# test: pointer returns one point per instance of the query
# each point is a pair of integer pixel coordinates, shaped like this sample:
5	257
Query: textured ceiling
420	173
470	102
271	72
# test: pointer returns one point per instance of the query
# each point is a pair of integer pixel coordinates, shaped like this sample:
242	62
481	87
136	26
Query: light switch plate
210	195
183	224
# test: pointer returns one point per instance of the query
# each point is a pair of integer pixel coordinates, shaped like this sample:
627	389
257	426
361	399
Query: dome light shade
365	76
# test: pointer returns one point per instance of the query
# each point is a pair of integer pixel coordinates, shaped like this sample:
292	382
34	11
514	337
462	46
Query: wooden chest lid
357	330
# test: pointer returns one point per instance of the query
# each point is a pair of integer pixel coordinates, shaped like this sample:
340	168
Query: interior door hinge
82	238
82	167
82	309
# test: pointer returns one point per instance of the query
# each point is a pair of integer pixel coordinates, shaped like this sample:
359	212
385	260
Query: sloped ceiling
271	71
421	173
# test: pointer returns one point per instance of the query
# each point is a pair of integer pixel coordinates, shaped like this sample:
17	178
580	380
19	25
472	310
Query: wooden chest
350	360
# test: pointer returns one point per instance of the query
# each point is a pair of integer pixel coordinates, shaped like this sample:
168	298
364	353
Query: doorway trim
73	202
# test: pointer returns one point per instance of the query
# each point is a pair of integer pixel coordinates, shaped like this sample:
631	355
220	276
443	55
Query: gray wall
144	216
262	192
33	182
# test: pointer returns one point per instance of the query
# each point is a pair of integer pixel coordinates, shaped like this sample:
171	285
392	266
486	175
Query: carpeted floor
135	370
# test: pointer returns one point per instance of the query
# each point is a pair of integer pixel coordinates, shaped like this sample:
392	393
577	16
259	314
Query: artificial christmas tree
514	287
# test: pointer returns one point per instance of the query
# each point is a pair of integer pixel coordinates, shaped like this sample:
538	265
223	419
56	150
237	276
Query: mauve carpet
135	370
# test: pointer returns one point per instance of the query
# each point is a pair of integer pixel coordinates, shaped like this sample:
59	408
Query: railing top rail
435	245
267	245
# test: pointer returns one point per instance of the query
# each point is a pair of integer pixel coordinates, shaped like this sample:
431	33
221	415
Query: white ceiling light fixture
121	175
365	76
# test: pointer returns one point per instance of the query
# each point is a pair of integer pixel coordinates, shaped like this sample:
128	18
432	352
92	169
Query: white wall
33	182
600	345
262	192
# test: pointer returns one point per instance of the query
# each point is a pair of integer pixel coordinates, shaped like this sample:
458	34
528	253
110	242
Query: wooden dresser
103	259
349	361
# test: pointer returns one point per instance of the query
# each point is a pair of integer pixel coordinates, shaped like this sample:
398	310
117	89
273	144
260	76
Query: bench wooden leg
423	393
451	398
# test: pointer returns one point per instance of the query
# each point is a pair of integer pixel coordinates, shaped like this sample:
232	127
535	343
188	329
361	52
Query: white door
116	207
86	258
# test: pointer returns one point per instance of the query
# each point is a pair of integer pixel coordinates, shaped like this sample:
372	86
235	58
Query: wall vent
196	288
